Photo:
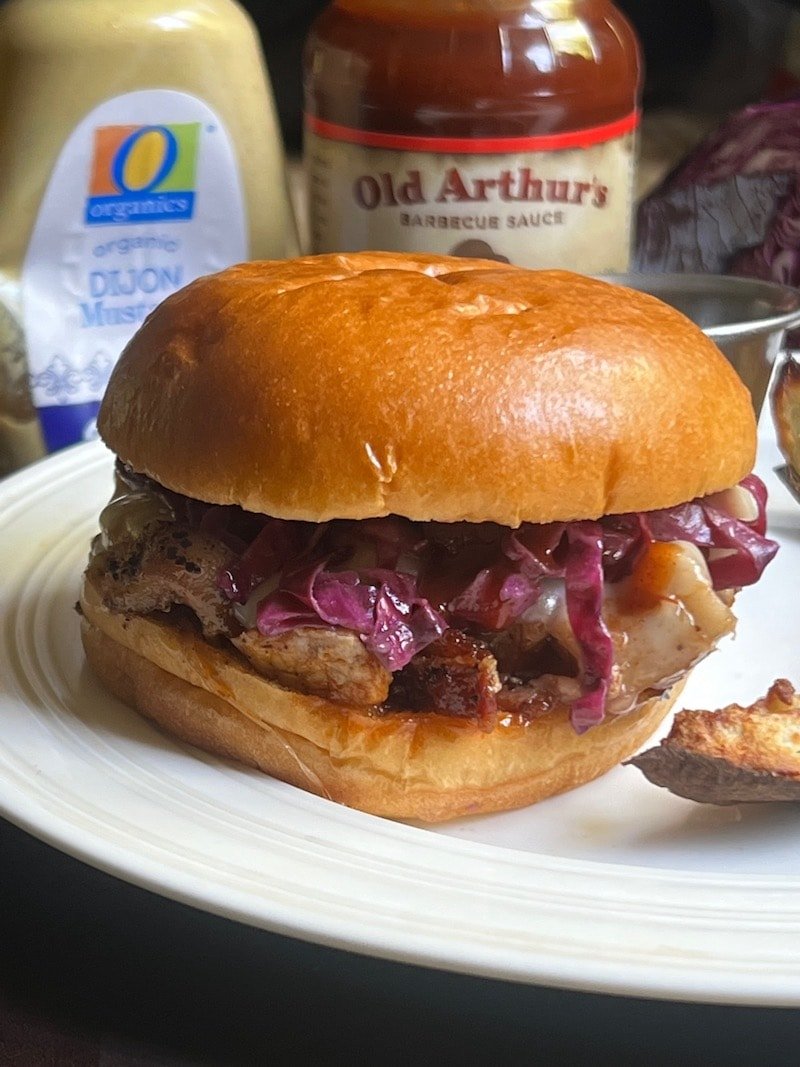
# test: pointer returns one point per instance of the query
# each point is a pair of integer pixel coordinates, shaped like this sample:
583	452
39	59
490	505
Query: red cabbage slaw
480	577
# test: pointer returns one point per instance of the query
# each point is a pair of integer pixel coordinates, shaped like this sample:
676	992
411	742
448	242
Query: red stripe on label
550	142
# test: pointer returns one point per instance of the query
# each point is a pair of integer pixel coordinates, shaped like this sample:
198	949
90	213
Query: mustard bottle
139	149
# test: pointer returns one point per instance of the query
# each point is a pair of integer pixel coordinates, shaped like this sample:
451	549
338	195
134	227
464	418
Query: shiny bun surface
366	384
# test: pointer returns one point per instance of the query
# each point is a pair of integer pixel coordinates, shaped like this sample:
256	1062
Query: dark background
97	973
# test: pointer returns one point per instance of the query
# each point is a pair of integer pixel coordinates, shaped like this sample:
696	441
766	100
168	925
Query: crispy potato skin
732	756
786	414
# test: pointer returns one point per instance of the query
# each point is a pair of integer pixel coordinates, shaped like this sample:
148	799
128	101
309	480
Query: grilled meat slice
175	565
170	565
328	662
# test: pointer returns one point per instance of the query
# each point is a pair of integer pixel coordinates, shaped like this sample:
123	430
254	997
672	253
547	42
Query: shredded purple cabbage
382	606
501	593
481	577
583	576
277	543
736	551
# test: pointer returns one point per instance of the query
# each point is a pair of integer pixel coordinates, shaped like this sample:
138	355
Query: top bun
358	385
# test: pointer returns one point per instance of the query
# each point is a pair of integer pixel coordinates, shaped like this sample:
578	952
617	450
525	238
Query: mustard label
144	197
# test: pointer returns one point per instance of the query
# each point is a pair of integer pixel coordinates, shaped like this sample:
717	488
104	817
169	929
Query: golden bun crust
359	385
426	767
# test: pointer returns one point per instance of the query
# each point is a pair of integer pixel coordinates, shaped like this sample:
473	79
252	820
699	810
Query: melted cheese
129	514
663	619
659	637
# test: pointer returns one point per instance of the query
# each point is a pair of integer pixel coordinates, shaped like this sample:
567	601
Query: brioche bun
351	386
421	766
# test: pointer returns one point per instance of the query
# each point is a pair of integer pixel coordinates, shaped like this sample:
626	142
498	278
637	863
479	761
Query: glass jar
497	128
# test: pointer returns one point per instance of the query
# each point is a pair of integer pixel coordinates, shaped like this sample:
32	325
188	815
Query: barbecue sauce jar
496	128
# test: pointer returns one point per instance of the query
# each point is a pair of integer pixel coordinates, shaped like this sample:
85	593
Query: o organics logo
142	174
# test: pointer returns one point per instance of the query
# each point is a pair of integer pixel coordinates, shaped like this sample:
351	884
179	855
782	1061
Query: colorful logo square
142	174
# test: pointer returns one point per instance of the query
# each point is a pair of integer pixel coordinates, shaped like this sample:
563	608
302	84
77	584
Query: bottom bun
422	765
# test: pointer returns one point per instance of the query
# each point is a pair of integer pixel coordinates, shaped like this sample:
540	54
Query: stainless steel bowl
746	318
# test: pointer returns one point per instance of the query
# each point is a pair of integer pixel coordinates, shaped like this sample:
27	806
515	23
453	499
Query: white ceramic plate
617	887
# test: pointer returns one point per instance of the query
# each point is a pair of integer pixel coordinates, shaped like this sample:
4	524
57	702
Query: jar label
145	196
563	200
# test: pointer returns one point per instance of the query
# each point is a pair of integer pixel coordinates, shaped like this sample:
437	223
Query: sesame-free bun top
349	386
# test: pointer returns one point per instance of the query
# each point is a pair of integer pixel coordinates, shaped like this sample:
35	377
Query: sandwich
425	536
